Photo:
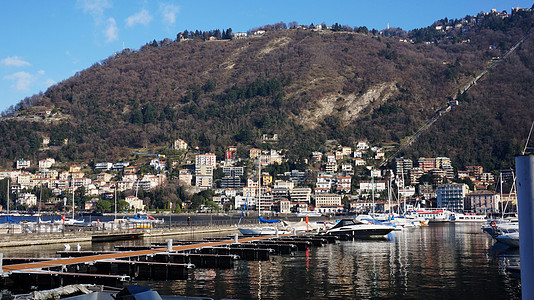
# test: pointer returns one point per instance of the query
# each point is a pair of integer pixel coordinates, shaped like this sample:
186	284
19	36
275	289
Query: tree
149	113
137	117
104	206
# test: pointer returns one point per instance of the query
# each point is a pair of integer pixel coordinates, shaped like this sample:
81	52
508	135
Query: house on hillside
23	164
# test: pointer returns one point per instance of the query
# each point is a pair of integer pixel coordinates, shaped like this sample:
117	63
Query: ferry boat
433	215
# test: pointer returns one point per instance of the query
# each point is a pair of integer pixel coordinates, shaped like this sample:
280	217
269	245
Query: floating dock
173	262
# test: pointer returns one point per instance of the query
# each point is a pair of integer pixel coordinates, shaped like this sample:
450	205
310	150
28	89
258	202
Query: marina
456	260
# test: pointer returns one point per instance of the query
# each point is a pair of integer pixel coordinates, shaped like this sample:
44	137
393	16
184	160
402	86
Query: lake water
440	261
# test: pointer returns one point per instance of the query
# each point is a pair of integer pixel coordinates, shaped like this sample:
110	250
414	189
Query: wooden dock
159	263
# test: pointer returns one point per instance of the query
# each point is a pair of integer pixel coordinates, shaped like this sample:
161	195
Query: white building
46	163
362	145
23	164
180	144
327	200
135	203
300	195
367	185
208	159
27	199
104	166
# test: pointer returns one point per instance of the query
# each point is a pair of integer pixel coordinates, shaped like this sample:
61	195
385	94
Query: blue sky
45	42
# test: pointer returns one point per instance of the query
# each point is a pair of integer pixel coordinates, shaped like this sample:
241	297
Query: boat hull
362	232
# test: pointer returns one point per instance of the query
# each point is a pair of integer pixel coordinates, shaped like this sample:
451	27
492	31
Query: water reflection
440	261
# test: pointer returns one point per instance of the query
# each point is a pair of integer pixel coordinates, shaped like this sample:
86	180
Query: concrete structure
300	195
482	202
451	196
327	199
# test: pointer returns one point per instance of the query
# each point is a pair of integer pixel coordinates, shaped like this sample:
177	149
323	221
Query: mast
389	195
259	187
39	205
500	195
8	196
73	205
402	173
115	201
373	190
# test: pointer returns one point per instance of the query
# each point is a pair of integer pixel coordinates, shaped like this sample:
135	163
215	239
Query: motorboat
68	221
459	217
511	239
359	228
311	213
303	226
496	228
275	227
264	230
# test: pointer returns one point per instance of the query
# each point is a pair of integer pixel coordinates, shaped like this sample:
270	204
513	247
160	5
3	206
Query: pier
155	262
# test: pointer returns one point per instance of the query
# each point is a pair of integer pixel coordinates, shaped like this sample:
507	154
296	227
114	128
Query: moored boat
359	229
459	217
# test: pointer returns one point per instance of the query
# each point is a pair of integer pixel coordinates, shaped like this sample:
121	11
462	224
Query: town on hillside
341	181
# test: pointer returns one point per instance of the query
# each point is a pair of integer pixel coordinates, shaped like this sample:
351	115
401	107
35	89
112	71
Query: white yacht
511	239
459	217
358	228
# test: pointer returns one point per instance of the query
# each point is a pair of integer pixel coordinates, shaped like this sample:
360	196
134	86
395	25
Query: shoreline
60	238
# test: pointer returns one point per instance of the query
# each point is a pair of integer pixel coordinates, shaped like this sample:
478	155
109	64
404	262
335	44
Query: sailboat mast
389	194
403	194
500	191
115	201
73	198
259	187
373	190
40	200
8	196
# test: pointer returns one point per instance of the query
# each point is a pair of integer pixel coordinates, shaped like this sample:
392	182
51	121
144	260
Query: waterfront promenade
74	236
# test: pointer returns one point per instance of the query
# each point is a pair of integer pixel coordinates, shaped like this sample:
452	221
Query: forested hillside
306	86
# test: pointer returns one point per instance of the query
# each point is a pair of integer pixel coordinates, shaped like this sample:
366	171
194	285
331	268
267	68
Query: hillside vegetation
307	86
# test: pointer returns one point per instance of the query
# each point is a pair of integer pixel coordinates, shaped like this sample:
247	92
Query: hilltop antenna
528	139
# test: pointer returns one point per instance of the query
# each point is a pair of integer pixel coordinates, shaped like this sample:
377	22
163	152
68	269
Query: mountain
310	87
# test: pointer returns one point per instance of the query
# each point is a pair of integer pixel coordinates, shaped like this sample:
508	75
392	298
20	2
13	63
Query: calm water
440	261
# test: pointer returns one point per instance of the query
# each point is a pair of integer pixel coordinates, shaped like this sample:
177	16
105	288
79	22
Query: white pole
8	196
73	205
115	218
502	204
373	191
525	200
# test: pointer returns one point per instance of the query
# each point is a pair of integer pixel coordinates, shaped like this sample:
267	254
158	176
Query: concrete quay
17	240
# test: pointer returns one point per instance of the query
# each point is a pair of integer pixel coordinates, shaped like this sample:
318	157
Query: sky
46	42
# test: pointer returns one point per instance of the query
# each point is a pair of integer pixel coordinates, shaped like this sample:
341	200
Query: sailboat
263	229
66	221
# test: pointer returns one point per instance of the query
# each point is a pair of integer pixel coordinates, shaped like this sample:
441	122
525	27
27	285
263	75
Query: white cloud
143	17
23	80
169	12
111	32
15	61
41	72
94	7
